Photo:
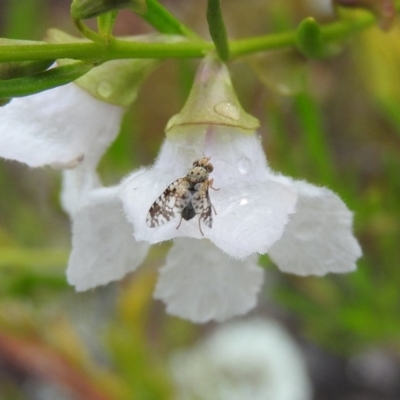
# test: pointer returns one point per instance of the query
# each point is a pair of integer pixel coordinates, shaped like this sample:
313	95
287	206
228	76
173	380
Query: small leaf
384	10
10	70
217	28
165	22
49	79
105	23
84	9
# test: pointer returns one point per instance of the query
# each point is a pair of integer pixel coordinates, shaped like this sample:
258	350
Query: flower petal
200	283
76	184
319	237
61	126
103	249
250	217
252	210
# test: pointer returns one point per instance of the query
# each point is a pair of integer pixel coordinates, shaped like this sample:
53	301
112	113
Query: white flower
254	360
305	229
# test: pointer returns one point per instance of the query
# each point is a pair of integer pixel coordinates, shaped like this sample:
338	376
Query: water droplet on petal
243	202
244	165
104	89
228	110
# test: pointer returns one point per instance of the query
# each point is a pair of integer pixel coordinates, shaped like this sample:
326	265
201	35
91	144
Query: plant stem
123	49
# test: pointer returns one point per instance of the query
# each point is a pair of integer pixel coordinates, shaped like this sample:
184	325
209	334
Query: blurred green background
333	122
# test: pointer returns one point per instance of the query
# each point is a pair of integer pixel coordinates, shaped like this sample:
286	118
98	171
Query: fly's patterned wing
173	200
202	205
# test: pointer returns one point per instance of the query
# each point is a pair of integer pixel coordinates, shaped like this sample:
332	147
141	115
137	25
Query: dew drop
243	202
228	110
104	89
244	165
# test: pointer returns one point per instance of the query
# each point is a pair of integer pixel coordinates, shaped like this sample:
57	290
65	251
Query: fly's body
187	196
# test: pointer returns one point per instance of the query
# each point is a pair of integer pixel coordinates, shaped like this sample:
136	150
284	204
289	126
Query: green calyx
83	9
213	101
116	82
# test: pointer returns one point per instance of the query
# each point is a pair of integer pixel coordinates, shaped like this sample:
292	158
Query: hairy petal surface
250	217
319	237
201	283
76	185
252	209
103	249
62	127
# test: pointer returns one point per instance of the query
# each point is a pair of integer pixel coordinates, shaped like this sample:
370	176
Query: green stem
120	49
332	32
261	43
116	49
88	33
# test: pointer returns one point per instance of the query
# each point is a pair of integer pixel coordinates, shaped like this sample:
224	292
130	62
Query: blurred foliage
340	128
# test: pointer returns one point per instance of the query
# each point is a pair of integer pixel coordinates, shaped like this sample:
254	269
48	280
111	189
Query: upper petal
61	126
319	238
201	283
251	209
103	249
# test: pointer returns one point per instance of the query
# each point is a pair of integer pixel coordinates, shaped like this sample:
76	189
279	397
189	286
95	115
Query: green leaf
52	78
105	23
84	9
162	20
10	70
309	38
217	28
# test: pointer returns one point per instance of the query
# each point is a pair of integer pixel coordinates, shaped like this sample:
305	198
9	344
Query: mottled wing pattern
202	204
173	200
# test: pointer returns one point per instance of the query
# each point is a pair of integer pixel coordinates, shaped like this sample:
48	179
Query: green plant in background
330	115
